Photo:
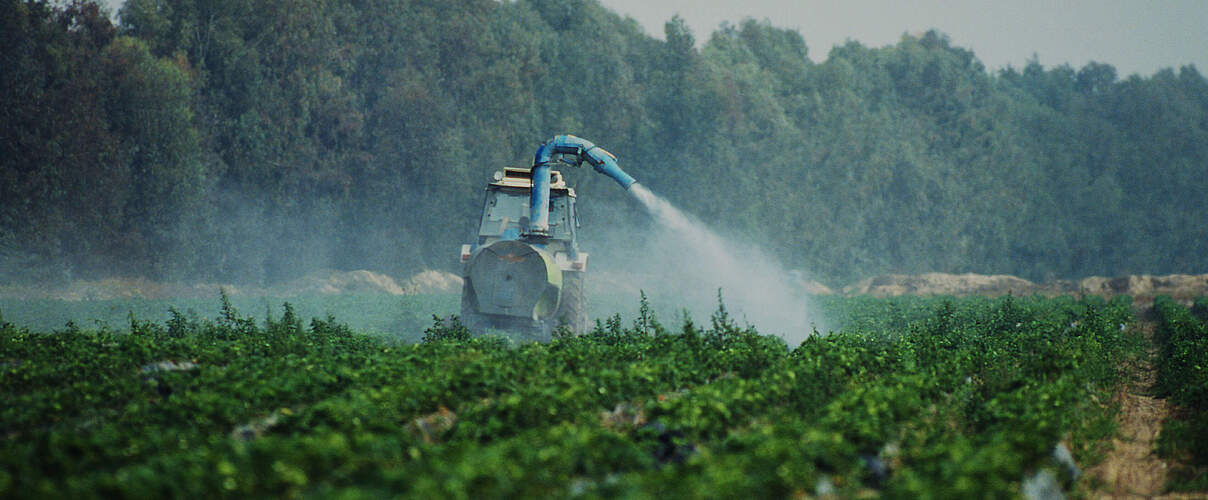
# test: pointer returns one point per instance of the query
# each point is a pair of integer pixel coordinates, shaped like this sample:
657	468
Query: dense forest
254	140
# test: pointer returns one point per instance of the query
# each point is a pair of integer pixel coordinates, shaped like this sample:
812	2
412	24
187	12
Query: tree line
255	140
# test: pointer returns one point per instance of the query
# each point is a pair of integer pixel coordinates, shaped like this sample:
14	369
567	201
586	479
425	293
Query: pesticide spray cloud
685	259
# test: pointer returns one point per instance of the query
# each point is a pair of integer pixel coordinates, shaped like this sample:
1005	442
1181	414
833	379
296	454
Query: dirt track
1132	468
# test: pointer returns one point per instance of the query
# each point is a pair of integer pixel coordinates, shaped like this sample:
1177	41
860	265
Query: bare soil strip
1132	469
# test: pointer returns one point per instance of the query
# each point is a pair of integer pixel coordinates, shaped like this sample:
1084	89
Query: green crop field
911	398
376	314
1182	339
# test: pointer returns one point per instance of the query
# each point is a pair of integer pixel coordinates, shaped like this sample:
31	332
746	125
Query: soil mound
113	289
1139	286
432	281
892	285
362	281
1142	287
325	282
812	287
336	282
1177	286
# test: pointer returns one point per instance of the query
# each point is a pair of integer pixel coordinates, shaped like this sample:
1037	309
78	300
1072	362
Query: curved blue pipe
602	161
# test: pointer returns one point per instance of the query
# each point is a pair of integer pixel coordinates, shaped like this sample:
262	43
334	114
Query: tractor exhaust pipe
583	150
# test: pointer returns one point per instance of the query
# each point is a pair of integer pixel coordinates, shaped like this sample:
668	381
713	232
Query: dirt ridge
1142	287
322	282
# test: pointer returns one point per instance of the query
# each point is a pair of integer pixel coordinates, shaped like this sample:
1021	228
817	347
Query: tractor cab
505	212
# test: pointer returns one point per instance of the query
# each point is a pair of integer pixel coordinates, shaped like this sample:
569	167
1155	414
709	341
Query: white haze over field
684	259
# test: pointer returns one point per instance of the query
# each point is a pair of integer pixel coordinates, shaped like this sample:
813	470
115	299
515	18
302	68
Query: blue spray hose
583	150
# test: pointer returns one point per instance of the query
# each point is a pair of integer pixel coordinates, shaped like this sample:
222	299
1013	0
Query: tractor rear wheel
469	310
573	310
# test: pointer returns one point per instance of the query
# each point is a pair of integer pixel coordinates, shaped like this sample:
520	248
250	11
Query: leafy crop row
919	397
1182	337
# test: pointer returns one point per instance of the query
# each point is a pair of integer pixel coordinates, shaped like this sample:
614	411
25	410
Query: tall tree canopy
257	139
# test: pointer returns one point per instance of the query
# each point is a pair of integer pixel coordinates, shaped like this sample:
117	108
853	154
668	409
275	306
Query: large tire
469	310
573	309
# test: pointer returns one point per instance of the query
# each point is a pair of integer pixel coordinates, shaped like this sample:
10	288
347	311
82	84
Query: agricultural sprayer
524	270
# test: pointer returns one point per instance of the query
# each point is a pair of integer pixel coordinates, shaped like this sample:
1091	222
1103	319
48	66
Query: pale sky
1135	36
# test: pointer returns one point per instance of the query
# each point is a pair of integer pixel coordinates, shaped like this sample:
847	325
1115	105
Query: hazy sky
1135	36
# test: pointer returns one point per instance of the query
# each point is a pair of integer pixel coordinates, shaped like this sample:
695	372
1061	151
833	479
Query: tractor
524	271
